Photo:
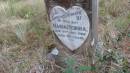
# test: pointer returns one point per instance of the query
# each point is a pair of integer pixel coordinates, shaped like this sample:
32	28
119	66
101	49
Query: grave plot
73	25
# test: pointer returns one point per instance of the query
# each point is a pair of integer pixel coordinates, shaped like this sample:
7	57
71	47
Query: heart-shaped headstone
71	26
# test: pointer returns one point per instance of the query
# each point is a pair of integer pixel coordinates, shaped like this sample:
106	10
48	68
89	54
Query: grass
22	29
114	15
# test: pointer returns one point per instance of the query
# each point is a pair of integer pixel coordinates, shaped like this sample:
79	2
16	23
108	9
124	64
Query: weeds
72	68
20	20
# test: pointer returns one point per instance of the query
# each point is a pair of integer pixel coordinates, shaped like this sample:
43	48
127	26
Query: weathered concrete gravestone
71	26
73	21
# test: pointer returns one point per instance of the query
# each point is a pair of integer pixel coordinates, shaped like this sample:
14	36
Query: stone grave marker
73	22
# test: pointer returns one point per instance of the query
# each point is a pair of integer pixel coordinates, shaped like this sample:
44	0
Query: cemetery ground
26	39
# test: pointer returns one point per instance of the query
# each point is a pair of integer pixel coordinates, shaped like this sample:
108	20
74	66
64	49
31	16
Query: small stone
55	52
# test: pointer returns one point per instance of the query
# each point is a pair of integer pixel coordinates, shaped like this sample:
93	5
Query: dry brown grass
22	25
